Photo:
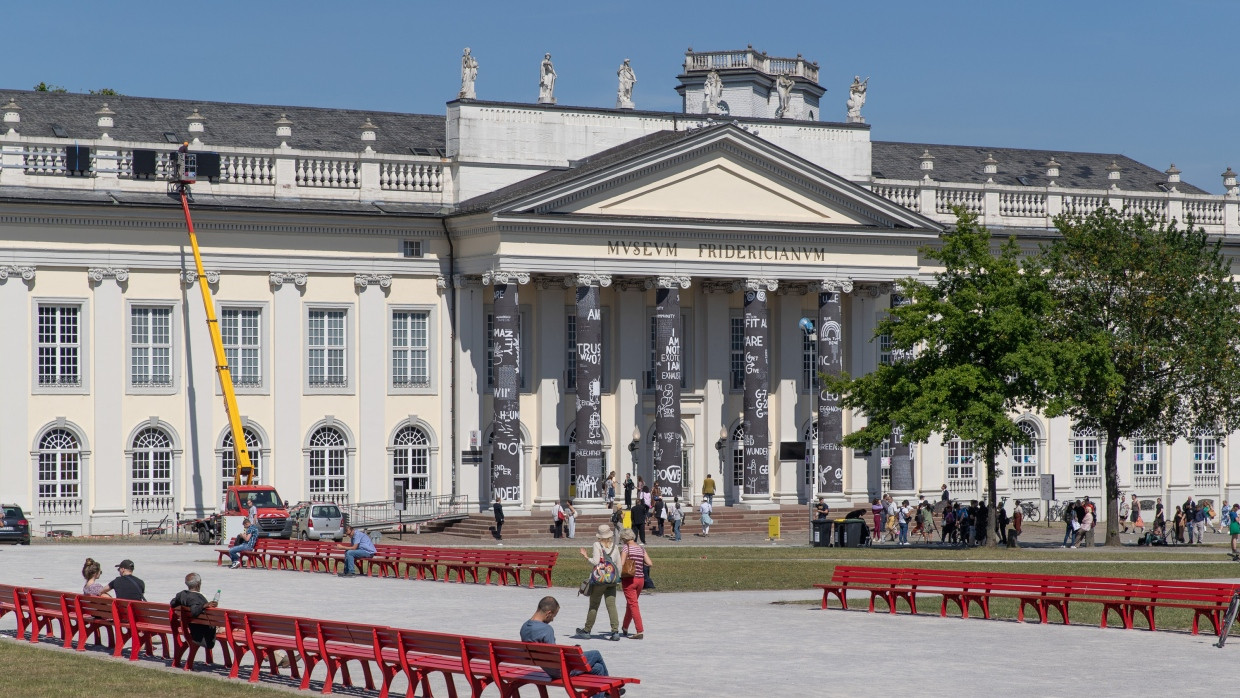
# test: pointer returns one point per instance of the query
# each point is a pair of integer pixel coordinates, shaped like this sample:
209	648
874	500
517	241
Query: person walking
639	513
632	584
628	491
903	514
610	489
1018	519
1124	511
570	518
660	514
498	529
677	516
704	511
557	521
877	509
1201	517
1177	524
604	550
1134	514
1232	519
708	489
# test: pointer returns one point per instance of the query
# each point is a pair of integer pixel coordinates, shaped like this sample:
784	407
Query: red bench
95	614
423	654
514	664
13	600
1124	597
46	607
183	646
256	557
144	622
266	633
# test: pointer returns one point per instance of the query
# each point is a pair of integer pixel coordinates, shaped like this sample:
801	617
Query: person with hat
604	550
126	586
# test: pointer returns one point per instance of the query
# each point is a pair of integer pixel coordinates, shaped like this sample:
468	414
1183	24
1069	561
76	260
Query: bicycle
1031	511
1056	511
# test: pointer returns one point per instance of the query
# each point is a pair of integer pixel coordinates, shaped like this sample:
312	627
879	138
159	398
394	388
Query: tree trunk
1112	489
991	496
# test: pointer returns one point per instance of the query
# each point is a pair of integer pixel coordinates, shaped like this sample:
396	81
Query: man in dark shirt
192	598
498	529
126	586
538	629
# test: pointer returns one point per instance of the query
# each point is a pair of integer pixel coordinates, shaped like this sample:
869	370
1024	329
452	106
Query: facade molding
500	276
279	278
97	274
831	286
752	284
190	276
600	280
27	273
669	282
380	280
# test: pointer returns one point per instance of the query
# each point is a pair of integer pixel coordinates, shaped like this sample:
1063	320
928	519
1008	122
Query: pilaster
108	503
15	347
371	389
287	384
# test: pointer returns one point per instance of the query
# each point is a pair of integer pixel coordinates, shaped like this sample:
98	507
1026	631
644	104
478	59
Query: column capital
190	276
498	276
98	274
669	282
832	286
761	284
466	281
279	278
27	273
600	280
441	281
380	280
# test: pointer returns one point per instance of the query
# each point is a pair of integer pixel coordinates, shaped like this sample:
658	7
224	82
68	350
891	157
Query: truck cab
272	511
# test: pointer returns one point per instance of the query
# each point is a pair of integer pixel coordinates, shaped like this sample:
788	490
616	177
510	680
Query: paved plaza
697	644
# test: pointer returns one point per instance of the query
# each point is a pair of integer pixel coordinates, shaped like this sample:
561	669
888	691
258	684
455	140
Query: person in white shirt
705	510
557	521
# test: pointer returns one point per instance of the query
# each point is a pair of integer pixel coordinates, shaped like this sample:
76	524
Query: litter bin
820	533
851	533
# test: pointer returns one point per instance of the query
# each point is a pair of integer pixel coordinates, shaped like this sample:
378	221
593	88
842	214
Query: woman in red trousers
632	586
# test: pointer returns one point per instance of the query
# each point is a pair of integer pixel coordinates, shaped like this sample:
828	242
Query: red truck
272	513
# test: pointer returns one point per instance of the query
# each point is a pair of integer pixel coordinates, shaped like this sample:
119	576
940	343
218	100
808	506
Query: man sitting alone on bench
246	540
538	629
359	545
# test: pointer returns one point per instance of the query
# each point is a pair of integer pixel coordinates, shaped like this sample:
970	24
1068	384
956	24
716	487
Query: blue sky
1156	81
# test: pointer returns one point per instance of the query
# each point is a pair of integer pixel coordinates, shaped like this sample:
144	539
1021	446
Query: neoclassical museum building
509	299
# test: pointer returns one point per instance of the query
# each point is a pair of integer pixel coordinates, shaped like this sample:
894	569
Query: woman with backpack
604	551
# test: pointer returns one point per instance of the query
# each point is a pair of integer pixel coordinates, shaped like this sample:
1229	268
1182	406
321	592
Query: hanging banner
666	448
757	391
506	366
589	420
830	418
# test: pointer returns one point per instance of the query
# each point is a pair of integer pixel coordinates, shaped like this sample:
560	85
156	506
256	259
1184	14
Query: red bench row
1127	598
407	561
417	654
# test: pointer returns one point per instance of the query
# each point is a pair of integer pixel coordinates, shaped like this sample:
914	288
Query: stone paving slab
697	644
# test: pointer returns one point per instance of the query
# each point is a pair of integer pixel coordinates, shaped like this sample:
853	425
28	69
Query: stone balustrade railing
269	172
756	60
1147	483
1004	206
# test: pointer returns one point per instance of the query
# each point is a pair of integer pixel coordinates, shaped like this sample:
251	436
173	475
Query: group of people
633	564
130	587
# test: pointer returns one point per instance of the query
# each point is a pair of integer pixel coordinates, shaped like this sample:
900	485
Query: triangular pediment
717	174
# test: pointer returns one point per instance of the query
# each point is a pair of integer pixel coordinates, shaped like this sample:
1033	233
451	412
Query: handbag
629	569
1234	528
583	589
648	583
605	571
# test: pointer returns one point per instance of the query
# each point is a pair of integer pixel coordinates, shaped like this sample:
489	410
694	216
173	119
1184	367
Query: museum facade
511	299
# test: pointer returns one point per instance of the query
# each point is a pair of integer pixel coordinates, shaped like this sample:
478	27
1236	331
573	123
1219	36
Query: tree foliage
1147	333
44	87
970	351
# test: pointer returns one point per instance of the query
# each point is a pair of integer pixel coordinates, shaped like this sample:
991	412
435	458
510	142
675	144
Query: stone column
589	417
110	500
830	459
757	487
901	460
665	451
286	471
15	349
506	359
375	483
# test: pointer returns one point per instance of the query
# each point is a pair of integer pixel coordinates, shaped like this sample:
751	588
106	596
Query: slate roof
223	203
962	163
245	125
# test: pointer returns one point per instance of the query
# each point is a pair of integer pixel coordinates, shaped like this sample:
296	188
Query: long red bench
1124	597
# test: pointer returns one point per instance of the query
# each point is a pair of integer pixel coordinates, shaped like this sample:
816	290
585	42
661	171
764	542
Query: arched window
150	471
411	459
328	459
1025	455
1084	452
60	471
228	457
738	456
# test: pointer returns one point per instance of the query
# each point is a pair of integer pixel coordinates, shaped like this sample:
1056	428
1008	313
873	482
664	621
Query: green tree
972	352
44	87
1148	328
105	92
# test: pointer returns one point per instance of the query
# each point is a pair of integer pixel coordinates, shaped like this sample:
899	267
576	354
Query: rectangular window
738	353
1145	457
410	349
411	248
960	460
1205	456
59	345
240	329
150	347
570	355
884	350
327	349
1085	456
809	363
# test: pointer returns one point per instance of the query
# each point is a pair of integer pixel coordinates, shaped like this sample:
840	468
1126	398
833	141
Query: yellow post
627	521
772	528
240	448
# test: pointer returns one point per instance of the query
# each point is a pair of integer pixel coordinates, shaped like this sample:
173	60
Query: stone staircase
728	521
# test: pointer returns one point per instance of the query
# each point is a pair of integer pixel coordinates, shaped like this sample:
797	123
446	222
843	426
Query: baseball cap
125	565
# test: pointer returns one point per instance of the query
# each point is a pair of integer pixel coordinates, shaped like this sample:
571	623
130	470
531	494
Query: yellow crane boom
185	175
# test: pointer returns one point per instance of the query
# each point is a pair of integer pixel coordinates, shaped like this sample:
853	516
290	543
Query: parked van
316	521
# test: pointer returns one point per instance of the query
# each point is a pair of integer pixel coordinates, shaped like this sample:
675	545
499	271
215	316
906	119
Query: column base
756	502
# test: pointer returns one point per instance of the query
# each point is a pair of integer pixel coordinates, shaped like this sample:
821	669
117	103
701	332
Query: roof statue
714	93
784	85
469	73
546	81
624	94
856	99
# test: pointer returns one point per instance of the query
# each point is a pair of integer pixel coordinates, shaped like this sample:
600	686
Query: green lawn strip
47	671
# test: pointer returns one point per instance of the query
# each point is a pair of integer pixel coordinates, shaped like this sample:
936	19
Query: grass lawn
45	671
